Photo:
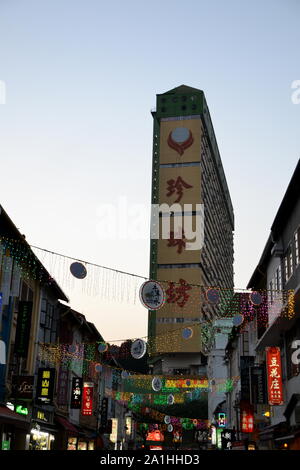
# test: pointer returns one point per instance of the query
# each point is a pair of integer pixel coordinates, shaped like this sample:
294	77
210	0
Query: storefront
13	429
68	434
43	432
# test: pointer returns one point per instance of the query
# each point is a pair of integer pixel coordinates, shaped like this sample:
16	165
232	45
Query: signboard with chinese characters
62	385
245	363
76	393
247	418
23	328
227	436
45	386
87	399
274	376
114	430
103	413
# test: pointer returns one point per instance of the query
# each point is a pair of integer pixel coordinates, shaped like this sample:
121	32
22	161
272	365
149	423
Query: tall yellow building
189	188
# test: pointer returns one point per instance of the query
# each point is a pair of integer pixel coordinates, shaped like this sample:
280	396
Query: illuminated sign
45	386
274	376
76	393
114	430
247	420
21	410
87	399
221	420
22	387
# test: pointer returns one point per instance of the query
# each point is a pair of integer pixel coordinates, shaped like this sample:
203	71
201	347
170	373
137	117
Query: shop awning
10	417
67	425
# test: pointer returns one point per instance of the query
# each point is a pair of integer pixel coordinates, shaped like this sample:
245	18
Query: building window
296	241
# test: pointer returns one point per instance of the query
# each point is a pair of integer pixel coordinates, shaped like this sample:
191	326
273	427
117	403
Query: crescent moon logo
180	139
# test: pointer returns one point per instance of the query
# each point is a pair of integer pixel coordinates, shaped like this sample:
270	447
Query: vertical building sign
87	399
76	393
45	386
23	328
247	418
258	385
62	385
274	376
103	413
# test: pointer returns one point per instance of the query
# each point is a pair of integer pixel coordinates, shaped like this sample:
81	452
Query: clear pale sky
76	129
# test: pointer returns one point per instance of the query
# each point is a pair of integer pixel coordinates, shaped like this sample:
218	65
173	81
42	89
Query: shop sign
22	387
23	328
114	430
87	399
245	363
21	411
41	415
247	419
258	385
103	413
62	385
222	420
76	393
227	436
45	386
274	376
5	445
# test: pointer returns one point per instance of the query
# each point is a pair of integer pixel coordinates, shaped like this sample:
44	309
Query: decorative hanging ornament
237	320
170	428
72	348
187	333
170	399
256	298
156	384
152	295
167	419
102	347
138	349
78	270
213	296
124	374
188	383
98	368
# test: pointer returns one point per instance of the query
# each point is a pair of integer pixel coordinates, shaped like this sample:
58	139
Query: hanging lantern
78	270
152	295
138	349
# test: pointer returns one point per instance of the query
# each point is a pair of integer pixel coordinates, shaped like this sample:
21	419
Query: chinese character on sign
178	294
176	186
179	242
275	390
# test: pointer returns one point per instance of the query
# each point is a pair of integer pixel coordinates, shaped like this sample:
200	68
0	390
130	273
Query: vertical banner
274	375
62	385
76	393
103	413
245	363
23	328
87	399
258	385
247	418
45	386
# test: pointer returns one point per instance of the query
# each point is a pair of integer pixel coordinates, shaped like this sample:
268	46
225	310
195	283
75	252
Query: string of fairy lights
243	306
124	286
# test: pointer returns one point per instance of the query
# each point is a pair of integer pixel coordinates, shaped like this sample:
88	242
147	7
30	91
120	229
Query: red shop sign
275	391
87	399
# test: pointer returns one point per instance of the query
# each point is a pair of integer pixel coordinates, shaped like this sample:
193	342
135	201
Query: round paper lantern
213	296
98	368
237	319
170	428
170	399
167	419
102	347
187	333
152	295
156	384
124	374
256	298
138	349
78	270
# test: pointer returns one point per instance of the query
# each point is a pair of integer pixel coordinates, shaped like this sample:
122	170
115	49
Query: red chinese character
178	294
176	186
179	242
